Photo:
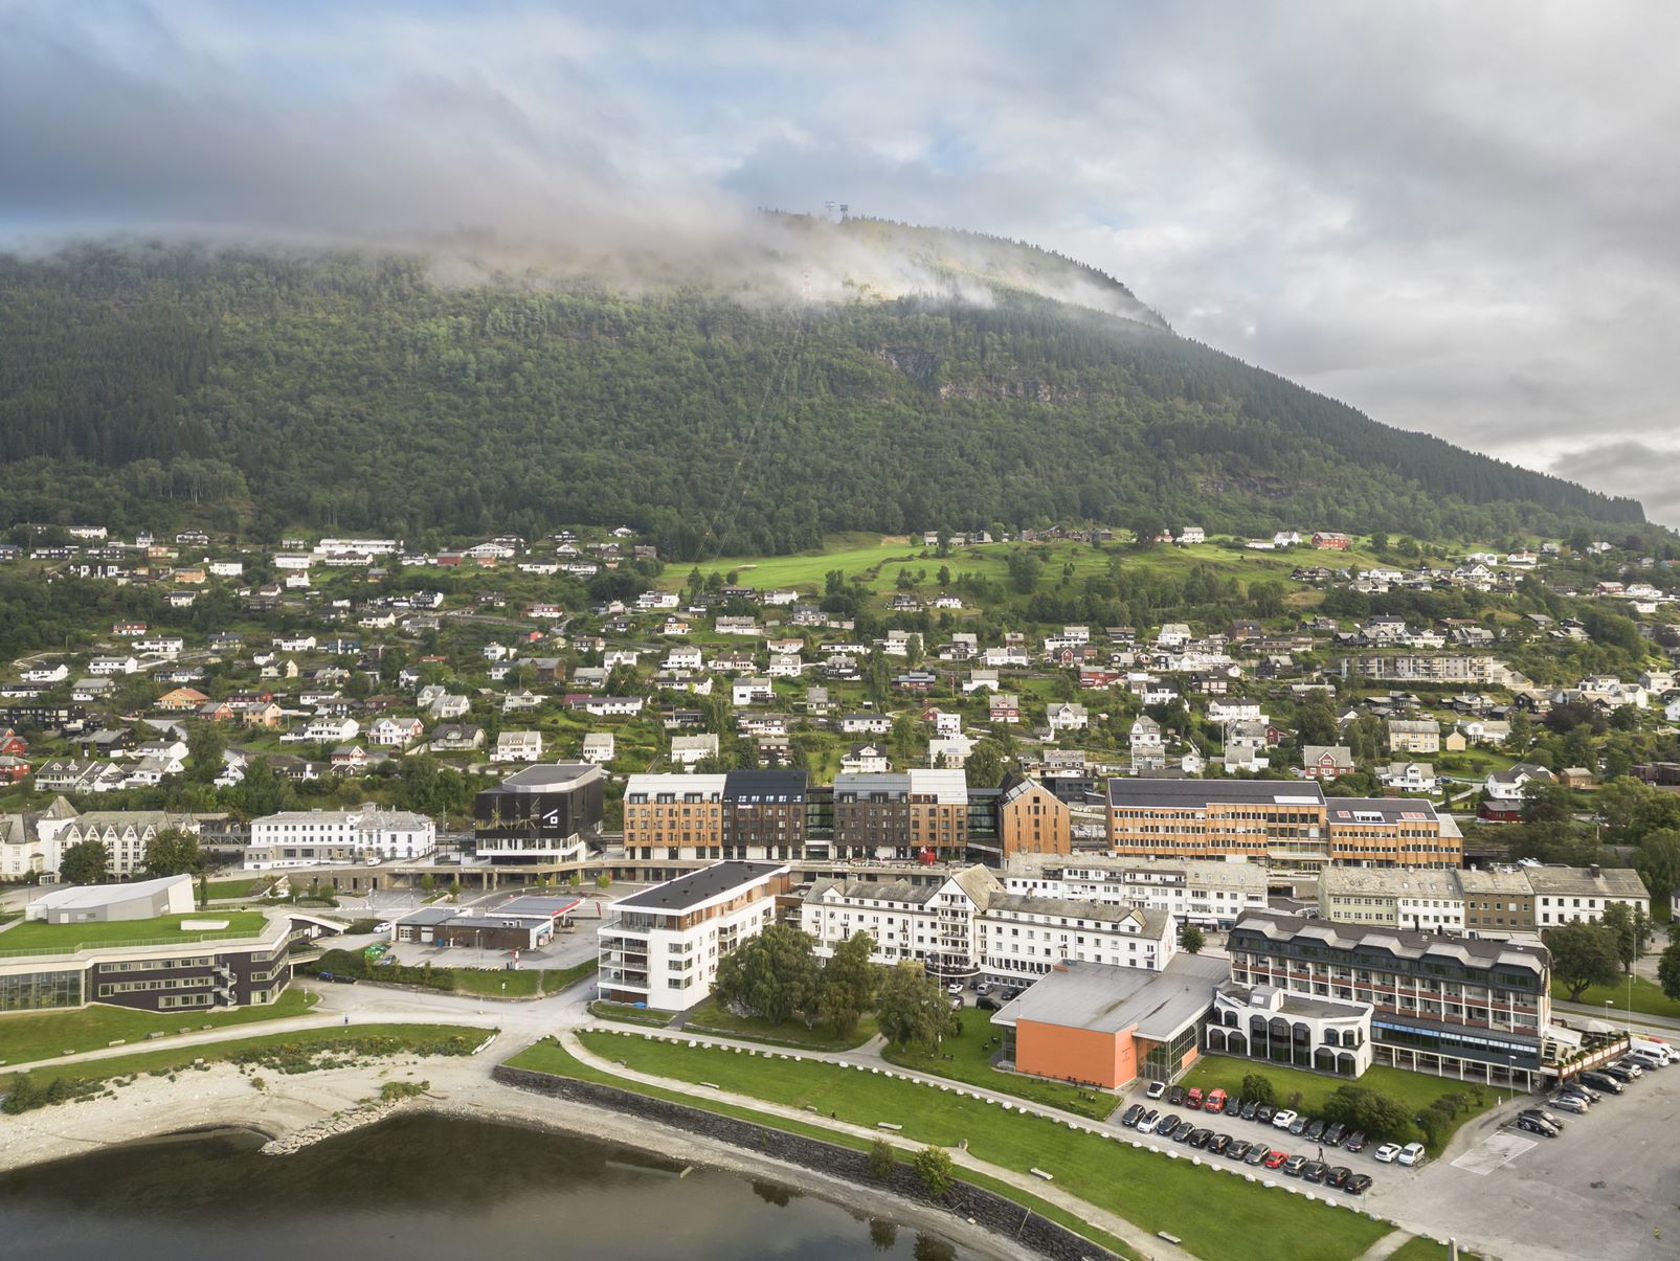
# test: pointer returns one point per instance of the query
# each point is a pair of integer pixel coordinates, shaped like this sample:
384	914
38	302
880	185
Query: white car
1387	1152
1284	1118
955	987
1411	1154
1148	1124
383	926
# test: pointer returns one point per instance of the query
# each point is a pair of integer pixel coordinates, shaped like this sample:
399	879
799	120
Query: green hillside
956	382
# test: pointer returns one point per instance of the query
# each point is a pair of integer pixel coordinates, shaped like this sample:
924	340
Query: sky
1460	218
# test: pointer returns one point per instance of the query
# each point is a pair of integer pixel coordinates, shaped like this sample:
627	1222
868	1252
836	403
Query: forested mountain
952	381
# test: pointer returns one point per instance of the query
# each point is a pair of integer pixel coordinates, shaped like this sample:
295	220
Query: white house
518	746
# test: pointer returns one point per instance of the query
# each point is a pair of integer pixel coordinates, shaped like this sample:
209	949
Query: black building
541	814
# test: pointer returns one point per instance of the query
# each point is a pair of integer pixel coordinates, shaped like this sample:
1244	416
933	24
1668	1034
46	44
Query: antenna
844	210
828	209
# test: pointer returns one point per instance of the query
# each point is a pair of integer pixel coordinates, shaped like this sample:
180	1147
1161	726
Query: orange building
1107	1026
1032	820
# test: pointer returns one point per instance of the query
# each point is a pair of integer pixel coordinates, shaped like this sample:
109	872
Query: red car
1195	1099
1215	1101
1276	1159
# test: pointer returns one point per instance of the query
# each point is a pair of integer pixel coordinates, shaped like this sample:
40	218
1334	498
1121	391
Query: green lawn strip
1418	1248
968	1058
1416	1091
39	937
47	1035
627	1014
381	1039
550	1057
1647	997
1217	1217
241	887
711	1017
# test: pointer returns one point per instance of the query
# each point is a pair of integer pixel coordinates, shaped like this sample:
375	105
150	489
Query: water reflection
422	1187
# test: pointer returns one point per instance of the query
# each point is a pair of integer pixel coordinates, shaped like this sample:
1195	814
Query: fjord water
421	1188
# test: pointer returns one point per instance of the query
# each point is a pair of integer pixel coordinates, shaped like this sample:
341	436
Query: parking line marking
1492	1153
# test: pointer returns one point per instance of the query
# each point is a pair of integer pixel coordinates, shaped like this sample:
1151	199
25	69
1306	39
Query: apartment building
1571	895
543	814
306	838
1030	820
967	925
1280	824
674	816
662	946
1424	901
1289	827
1497	903
906	814
1207	894
764	815
125	834
1475	1010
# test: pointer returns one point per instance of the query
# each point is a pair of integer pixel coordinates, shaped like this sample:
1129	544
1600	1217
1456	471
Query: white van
1654	1048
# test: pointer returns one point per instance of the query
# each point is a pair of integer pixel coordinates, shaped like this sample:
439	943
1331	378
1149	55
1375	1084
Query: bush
933	1167
1259	1088
881	1160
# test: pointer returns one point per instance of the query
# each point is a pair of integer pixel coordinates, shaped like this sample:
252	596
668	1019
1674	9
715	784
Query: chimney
1594	871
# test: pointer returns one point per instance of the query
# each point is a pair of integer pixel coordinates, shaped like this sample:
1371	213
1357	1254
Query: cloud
1458	218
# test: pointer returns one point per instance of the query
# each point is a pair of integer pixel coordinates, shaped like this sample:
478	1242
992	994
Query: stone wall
992	1211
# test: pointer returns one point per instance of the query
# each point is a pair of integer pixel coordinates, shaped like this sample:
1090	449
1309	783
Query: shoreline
221	1097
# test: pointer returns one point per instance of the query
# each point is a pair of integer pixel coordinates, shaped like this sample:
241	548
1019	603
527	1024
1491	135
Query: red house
12	744
1329	541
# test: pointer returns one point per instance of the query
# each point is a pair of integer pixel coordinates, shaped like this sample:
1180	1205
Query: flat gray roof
1198	794
698	886
1106	998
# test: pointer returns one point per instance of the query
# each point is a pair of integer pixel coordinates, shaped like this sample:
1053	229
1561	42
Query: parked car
1168	1124
1218	1144
1535	1125
1411	1154
1334	1134
1665	1051
1200	1138
1646	1059
1184	1131
1283	1118
986	1004
1299	1125
1239	1149
1358	1184
1569	1103
1146	1124
1603	1081
1250	1109
1355	1142
1554	1121
1314	1171
1257	1155
1338	1176
1276	1159
1156	1090
1214	1102
1388	1153
1194	1099
1293	1166
1315	1131
1175	1096
1133	1115
1617	1073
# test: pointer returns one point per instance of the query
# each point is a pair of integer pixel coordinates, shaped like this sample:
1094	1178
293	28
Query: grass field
36	937
1418	1248
1416	1091
239	887
549	1057
1648	998
711	1017
631	1015
45	1035
360	1040
805	571
968	1058
1218	1219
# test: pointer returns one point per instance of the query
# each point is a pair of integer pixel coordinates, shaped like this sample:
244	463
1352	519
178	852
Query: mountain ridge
891	378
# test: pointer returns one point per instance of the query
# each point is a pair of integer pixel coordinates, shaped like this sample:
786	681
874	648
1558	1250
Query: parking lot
568	948
1608	1187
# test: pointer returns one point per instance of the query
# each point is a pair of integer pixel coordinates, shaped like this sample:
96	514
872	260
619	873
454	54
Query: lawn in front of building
26	1036
1218	1218
713	1017
1413	1091
1648	998
968	1058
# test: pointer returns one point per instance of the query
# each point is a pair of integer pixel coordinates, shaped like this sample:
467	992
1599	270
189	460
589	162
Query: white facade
662	946
304	838
1203	893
